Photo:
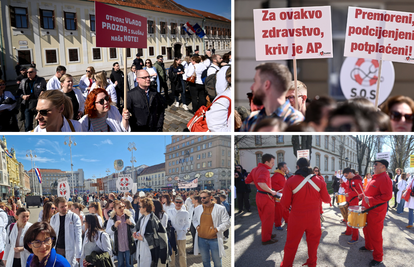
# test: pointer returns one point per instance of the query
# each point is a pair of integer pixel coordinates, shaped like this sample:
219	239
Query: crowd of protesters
147	228
273	108
97	103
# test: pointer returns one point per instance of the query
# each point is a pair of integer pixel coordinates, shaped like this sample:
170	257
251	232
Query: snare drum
356	217
340	198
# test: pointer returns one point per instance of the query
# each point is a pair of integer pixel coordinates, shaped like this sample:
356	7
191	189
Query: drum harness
306	180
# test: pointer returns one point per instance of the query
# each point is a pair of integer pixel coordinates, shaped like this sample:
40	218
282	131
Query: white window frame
26	49
57	56
109	54
67	51
100	49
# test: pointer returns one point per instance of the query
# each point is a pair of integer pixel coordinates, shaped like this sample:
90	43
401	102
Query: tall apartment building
153	177
206	157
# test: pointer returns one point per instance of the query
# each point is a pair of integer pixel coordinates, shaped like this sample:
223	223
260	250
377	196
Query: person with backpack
15	255
197	90
175	74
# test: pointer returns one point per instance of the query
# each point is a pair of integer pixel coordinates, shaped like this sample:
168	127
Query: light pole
70	141
108	171
30	154
131	147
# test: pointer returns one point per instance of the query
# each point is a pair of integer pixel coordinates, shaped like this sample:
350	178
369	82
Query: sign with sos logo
359	77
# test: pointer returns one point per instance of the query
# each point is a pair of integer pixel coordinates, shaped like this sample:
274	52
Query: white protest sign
185	185
288	33
303	154
384	155
124	182
63	189
379	34
134	188
359	77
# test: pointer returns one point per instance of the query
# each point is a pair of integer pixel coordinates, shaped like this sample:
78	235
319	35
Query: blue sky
94	154
218	7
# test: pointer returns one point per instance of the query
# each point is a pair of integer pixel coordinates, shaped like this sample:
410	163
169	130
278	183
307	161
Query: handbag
198	122
407	193
191	79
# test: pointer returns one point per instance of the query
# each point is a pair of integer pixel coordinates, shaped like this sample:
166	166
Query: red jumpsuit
379	190
278	182
304	217
265	203
322	179
352	199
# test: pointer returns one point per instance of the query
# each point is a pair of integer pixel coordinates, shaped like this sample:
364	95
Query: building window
327	142
24	56
333	164
318	140
318	160
209	164
112	53
96	53
258	158
333	144
19	17
280	139
326	163
73	54
198	148
204	155
222	162
182	31
280	157
51	56
204	164
128	50
163	27
92	20
163	50
173	28
198	156
210	154
198	165
258	140
151	50
140	51
47	19
210	144
207	30
151	26
70	21
197	47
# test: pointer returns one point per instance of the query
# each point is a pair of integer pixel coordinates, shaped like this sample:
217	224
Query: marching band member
278	182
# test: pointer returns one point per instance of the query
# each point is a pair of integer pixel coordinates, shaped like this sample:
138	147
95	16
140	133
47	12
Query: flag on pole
39	175
188	28
8	154
198	30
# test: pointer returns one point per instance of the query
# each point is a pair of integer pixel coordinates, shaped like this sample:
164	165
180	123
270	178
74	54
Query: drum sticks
364	194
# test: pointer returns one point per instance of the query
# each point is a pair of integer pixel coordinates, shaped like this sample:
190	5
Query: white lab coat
3	223
217	116
410	203
40	216
143	255
53	84
180	221
102	240
84	83
11	244
65	128
114	121
402	185
80	98
221	221
73	235
111	91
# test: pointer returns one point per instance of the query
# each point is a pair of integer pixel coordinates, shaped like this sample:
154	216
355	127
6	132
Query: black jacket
335	184
139	63
131	240
146	117
38	86
119	77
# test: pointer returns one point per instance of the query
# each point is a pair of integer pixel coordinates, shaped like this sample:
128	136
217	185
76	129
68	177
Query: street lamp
30	154
108	171
70	141
131	147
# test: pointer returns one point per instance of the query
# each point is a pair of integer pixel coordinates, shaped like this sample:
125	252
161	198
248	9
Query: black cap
196	50
382	161
302	162
23	68
137	55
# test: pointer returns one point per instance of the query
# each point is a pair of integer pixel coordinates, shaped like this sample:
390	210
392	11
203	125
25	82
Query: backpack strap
71	125
229	109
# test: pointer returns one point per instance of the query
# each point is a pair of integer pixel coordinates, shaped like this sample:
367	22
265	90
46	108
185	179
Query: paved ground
192	260
333	248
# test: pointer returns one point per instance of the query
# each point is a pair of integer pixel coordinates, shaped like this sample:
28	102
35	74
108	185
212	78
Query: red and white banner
124	183
379	34
118	28
39	175
288	33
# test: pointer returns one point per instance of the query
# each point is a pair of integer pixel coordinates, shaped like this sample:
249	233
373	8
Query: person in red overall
353	187
278	182
318	175
260	176
305	213
378	191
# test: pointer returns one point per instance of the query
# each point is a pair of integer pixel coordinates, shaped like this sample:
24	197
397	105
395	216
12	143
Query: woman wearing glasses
75	95
400	109
40	239
101	116
8	120
95	208
15	254
55	113
86	81
152	71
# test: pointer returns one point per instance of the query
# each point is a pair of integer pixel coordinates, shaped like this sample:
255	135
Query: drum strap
376	206
306	180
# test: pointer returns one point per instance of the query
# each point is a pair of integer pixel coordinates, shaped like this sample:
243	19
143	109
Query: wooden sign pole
125	78
378	83
295	75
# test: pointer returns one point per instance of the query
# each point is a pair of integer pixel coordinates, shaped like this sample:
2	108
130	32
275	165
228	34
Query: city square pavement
333	249
192	260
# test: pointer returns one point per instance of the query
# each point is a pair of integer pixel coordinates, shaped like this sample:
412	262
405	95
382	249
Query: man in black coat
117	78
335	187
138	62
29	90
146	106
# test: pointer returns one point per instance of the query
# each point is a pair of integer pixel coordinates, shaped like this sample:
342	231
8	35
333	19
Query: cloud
50	147
39	159
105	142
89	160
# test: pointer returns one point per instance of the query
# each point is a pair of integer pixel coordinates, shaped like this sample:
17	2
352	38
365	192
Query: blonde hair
301	87
101	79
58	99
64	77
92	70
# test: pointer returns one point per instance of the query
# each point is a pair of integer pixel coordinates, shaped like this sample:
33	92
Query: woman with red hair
100	116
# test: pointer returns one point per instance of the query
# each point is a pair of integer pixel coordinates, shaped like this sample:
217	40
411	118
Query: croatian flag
8	154
188	28
39	175
199	31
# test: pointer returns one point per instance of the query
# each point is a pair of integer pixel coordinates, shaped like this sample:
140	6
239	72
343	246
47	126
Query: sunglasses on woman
102	101
43	112
397	116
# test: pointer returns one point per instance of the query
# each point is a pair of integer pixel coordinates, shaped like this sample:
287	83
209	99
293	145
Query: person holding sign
377	193
271	83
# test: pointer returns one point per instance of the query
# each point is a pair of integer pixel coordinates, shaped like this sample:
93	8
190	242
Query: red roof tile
211	15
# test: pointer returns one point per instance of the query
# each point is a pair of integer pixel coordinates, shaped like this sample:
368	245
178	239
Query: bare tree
302	142
250	143
402	146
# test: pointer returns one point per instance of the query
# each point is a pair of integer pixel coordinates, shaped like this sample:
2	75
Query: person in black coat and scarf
242	189
335	187
117	78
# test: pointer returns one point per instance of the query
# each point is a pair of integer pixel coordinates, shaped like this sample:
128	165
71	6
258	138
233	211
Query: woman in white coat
410	204
14	241
87	81
96	239
101	81
402	185
75	95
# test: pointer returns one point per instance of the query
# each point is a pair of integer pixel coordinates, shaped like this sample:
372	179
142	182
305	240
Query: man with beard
271	83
